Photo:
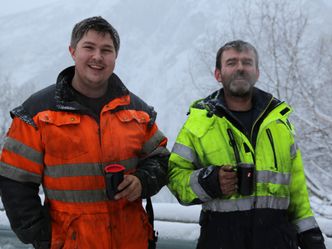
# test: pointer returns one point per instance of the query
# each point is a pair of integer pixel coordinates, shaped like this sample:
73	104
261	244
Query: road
8	240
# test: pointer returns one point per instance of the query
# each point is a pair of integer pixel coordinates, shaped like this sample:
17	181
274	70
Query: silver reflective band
18	174
305	224
23	150
265	176
248	203
293	149
197	188
153	142
82	169
185	152
85	169
77	196
129	164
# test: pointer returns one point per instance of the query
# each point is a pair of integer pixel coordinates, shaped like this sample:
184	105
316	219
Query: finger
228	168
125	183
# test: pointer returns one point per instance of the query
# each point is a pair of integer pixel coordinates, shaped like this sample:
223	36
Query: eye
230	63
88	47
248	62
107	51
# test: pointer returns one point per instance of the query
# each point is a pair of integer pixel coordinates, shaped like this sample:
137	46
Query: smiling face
238	72
94	57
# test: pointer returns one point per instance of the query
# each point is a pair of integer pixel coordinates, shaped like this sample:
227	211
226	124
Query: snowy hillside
158	58
159	41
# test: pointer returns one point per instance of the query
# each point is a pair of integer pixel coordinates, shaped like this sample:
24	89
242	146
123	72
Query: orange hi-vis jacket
54	141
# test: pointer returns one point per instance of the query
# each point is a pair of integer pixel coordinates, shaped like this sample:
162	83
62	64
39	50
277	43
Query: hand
227	180
130	188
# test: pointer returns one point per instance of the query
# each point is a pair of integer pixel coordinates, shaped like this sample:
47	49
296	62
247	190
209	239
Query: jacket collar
64	93
216	100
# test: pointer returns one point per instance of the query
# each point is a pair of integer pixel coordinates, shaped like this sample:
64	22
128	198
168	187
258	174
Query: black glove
42	245
311	239
208	178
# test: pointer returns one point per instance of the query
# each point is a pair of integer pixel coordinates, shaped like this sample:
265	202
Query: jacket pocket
64	234
62	135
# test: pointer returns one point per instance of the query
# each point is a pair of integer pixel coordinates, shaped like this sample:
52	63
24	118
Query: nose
240	66
98	55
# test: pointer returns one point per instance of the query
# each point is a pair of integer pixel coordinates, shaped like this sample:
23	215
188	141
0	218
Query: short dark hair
98	24
239	46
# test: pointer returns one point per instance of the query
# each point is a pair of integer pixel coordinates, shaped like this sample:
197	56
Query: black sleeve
311	239
152	172
209	180
28	218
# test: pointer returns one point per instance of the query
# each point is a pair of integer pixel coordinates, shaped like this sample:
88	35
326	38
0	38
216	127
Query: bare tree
6	102
295	68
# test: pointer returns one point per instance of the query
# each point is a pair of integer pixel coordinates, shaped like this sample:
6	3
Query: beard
240	84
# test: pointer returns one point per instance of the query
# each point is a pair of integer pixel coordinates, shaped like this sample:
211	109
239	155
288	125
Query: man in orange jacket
63	137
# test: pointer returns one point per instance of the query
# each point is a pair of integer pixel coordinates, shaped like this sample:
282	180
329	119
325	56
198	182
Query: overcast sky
14	6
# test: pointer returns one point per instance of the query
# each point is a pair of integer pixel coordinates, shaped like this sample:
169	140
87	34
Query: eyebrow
236	59
94	44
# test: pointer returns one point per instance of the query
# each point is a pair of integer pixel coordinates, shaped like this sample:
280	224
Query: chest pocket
62	135
278	140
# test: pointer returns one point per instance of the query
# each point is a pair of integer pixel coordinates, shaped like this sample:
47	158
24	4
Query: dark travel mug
245	176
113	177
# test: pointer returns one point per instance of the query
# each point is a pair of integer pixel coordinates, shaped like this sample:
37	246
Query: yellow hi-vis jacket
279	176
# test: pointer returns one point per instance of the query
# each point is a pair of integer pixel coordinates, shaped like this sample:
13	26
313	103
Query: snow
158	48
174	221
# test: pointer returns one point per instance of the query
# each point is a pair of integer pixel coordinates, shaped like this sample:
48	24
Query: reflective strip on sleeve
18	174
273	177
77	196
248	203
153	142
85	169
293	149
197	188
23	150
305	224
186	153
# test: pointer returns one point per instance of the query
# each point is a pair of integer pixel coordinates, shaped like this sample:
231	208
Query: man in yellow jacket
237	156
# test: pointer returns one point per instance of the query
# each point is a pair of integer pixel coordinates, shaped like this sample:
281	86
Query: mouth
96	67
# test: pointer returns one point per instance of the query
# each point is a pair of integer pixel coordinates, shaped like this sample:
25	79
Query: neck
235	103
89	92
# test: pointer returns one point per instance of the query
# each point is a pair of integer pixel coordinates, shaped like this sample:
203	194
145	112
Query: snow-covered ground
174	221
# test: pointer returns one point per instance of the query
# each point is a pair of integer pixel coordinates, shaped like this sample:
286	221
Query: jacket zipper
269	134
233	144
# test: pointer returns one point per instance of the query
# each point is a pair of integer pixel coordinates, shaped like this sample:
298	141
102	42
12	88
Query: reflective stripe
197	188
23	150
293	149
248	203
76	195
85	169
18	174
82	169
273	177
305	224
153	142
129	164
186	153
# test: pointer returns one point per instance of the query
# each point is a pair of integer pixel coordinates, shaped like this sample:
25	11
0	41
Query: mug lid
113	168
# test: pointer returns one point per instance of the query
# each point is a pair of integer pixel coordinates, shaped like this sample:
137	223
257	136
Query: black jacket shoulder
37	102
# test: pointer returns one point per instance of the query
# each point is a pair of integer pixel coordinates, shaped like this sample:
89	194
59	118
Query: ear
217	74
72	52
257	74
